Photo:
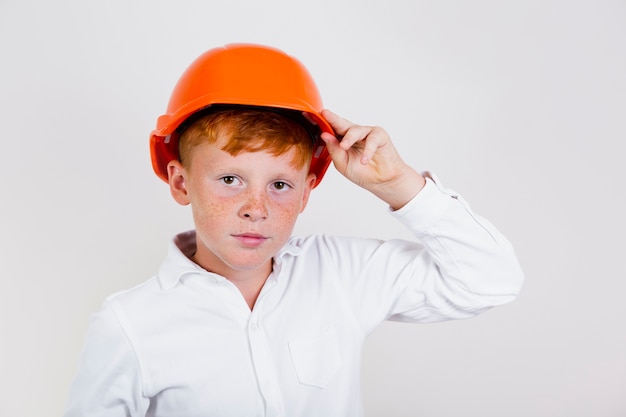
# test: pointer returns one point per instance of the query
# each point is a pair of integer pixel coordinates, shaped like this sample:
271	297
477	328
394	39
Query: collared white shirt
185	343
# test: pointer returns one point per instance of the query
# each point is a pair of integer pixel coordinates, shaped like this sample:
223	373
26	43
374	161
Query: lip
251	240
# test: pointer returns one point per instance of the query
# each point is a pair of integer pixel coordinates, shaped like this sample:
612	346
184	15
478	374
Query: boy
244	320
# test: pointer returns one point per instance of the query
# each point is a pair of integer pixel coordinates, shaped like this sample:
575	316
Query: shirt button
254	326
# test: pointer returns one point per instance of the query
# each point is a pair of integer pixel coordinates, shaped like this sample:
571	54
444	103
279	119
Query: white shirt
185	342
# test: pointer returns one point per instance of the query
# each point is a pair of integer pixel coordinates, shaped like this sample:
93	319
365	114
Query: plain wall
520	106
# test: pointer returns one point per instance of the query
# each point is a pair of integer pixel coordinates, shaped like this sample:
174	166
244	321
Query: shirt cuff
427	207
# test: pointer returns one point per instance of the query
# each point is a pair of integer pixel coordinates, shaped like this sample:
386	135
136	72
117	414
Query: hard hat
246	75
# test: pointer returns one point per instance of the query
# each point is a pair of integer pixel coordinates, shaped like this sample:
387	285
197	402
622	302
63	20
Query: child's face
244	206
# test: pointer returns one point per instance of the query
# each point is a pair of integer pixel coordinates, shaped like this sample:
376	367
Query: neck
250	283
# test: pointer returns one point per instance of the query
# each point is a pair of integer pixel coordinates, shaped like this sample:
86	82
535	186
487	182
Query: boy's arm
108	382
461	266
366	156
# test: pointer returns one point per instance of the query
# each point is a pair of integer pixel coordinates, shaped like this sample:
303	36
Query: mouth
251	240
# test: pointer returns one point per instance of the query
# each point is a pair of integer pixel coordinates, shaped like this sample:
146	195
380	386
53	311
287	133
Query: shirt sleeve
108	382
459	266
472	266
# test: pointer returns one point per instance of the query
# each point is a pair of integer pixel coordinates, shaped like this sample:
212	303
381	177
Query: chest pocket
316	359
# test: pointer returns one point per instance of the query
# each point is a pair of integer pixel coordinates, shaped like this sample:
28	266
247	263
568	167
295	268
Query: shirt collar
178	263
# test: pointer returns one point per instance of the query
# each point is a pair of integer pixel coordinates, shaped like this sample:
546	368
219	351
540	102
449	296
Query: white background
520	106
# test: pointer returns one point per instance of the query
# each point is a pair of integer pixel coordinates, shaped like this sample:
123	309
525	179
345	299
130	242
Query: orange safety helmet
242	75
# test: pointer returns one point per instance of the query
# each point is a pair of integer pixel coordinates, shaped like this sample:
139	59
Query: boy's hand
366	156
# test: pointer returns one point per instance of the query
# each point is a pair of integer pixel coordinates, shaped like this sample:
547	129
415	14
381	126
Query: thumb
332	144
336	152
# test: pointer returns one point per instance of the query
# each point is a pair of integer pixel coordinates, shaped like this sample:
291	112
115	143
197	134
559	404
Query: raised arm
366	156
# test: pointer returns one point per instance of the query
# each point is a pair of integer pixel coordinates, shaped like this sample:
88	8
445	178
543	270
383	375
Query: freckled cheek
213	214
286	214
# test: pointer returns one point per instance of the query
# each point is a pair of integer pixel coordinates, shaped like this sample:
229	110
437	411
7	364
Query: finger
355	134
375	139
339	124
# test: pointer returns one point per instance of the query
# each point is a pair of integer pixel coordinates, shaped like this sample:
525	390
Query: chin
251	265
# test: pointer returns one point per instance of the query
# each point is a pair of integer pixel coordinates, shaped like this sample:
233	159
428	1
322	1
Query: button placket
262	359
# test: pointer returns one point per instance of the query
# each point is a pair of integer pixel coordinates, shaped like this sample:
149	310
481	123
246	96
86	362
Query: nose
254	207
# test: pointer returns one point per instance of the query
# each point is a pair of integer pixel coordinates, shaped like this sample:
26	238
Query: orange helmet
242	75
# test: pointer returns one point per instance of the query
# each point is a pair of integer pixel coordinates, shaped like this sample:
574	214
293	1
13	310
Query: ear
177	177
308	186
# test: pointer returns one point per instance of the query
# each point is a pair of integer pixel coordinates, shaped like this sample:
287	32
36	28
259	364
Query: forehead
216	155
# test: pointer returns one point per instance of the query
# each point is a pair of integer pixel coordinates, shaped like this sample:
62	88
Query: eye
280	185
230	180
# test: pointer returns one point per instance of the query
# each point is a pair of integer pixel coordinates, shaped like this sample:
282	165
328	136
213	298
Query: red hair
248	130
